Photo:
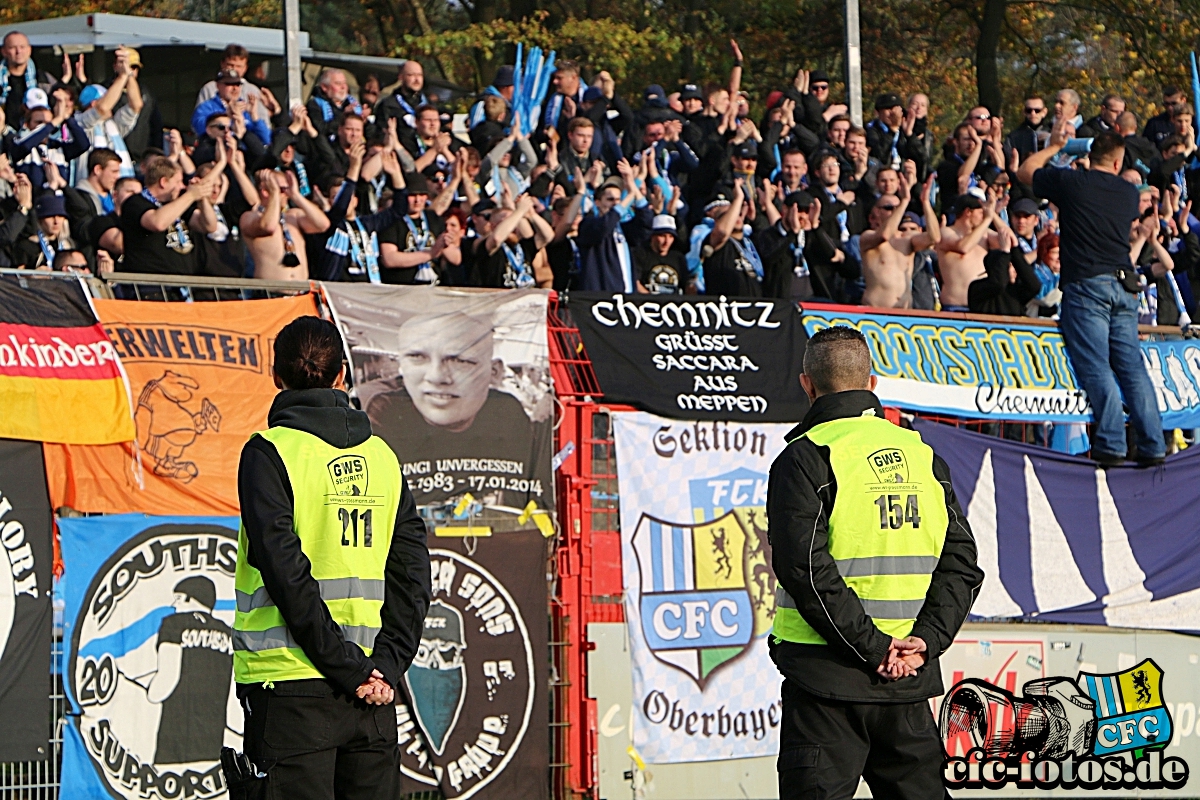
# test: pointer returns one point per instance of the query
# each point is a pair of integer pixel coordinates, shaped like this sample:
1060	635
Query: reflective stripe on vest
344	511
886	528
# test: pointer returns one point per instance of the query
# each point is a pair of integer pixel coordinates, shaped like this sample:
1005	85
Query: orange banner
201	380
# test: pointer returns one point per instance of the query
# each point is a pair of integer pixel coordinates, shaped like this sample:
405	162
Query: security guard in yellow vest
876	569
332	585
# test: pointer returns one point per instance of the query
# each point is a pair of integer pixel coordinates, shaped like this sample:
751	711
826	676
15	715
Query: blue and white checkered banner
1062	541
699	590
1003	371
148	655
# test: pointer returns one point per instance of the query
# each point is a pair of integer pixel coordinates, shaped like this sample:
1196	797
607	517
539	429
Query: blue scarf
519	276
746	250
30	79
181	231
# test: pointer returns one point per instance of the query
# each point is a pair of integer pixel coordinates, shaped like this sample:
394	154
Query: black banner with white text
26	564
696	357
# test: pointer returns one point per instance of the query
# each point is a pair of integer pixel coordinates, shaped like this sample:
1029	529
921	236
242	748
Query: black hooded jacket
800	496
267	502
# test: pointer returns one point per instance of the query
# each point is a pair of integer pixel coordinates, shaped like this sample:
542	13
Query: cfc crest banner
201	380
472	712
699	590
148	656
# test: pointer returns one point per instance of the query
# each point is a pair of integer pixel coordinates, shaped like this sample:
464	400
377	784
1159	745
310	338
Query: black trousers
825	745
316	743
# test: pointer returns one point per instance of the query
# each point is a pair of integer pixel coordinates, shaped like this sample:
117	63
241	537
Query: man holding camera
1099	284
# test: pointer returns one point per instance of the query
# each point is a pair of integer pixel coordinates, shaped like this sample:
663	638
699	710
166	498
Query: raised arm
724	227
1035	161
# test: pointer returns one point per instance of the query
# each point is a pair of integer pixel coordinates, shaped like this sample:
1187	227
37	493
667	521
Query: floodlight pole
291	49
853	64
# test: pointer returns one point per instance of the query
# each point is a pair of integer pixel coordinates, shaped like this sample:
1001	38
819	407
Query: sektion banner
26	563
473	712
1010	371
201	379
699	589
457	382
60	380
696	357
148	655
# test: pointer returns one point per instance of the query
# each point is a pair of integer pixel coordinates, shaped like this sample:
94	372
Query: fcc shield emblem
1130	713
696	610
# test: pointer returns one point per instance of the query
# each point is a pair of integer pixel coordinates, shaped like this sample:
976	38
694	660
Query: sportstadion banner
26	560
473	713
201	380
700	593
60	379
457	382
1009	371
696	357
148	655
1062	541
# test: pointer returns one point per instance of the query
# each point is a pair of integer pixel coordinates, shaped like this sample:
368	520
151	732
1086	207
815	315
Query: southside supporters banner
473	713
201	379
1062	541
699	590
696	357
60	379
26	561
457	382
973	369
148	655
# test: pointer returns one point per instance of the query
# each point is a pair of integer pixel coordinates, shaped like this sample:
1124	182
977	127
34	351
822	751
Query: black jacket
274	549
800	496
993	294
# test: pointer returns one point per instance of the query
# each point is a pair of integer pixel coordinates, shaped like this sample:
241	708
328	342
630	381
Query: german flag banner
60	377
201	380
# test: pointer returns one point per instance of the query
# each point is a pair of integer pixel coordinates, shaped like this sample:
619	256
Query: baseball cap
663	223
1025	207
133	57
887	100
914	218
613	182
746	149
504	77
774	98
483	206
721	198
592	94
416	183
36	98
50	205
798	198
91	93
228	77
655	97
690	91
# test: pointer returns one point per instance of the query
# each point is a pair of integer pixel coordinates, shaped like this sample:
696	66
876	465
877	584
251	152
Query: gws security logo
889	465
349	476
470	689
695	604
1095	731
151	664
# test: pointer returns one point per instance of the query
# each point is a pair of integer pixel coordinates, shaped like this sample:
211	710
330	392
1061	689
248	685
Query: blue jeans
1099	324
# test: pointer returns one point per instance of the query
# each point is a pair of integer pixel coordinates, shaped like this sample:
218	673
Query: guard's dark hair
837	360
308	353
200	589
1105	144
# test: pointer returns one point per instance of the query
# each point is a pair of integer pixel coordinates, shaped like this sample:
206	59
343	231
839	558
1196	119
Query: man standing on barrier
1100	286
876	568
332	582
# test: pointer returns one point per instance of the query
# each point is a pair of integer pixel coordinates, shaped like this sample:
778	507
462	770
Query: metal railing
39	780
